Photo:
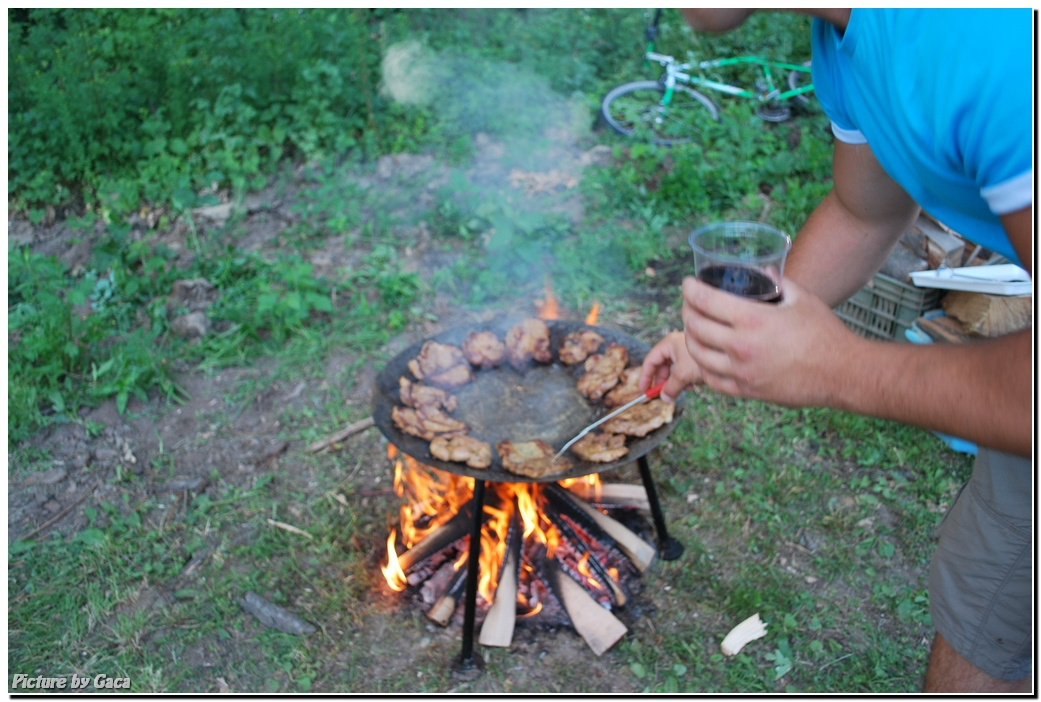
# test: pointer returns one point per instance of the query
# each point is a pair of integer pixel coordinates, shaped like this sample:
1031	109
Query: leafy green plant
112	107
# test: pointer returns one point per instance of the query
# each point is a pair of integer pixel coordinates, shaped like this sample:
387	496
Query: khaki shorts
981	579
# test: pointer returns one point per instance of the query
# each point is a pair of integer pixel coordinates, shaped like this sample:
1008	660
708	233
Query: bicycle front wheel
796	80
636	110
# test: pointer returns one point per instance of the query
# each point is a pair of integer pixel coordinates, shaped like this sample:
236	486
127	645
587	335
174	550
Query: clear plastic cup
743	258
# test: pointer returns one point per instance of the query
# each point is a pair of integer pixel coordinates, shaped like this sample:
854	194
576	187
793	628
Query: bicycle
669	111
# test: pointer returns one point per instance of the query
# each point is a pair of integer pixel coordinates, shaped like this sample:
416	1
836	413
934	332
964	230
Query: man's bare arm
799	353
851	233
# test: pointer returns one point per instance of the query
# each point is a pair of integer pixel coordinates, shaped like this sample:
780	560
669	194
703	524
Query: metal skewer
649	395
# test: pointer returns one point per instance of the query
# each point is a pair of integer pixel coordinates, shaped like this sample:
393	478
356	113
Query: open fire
490	551
537	541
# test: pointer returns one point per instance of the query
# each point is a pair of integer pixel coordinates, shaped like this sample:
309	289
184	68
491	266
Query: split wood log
437	584
945	329
641	552
600	629
497	629
442	611
989	315
446	534
276	617
603	528
582	549
349	430
613	494
942	246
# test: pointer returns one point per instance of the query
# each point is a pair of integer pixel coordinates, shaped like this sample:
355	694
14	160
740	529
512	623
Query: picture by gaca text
20	681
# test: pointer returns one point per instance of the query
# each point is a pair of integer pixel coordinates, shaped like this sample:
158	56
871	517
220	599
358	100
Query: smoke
471	96
526	156
406	73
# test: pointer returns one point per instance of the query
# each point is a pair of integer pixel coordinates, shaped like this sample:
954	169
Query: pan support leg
471	663
668	546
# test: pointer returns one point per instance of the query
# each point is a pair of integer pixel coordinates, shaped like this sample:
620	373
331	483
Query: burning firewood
603	528
613	494
444	608
600	629
583	552
497	629
446	534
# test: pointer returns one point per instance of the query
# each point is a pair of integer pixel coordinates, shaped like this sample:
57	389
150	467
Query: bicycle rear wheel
635	109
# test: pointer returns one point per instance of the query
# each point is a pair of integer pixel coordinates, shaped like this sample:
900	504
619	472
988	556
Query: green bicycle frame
771	93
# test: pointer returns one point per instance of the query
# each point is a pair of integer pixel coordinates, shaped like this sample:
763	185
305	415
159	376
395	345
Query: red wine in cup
743	281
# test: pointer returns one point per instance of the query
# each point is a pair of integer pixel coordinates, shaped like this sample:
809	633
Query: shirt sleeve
847	135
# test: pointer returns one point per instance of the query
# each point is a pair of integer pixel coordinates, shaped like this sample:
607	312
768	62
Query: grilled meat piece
462	449
642	419
420	395
426	422
577	346
442	365
600	447
530	458
603	371
483	349
526	340
628	388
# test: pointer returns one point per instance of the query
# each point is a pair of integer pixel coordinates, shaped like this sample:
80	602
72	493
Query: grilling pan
502	403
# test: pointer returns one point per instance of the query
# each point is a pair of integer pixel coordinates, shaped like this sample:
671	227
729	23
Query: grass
818	544
819	520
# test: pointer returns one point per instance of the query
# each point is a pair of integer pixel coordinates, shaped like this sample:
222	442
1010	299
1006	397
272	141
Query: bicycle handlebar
662	59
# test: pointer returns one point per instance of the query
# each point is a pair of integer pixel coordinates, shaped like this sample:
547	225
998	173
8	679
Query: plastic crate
886	308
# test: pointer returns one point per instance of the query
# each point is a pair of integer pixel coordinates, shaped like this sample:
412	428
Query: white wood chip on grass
749	630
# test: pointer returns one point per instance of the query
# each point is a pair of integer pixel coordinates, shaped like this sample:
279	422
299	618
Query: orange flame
431	497
548	308
594	312
392	571
588	487
583	568
493	550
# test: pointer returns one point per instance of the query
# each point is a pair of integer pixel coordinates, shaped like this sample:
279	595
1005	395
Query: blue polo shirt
944	97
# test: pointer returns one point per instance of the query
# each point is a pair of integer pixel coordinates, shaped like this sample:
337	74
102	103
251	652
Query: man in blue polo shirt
933	109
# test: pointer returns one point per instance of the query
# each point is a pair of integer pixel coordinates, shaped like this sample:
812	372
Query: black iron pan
502	403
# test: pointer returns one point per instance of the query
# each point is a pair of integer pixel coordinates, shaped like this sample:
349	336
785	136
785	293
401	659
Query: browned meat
526	340
530	458
426	422
600	447
483	349
603	371
642	419
577	346
442	365
628	388
462	449
420	395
